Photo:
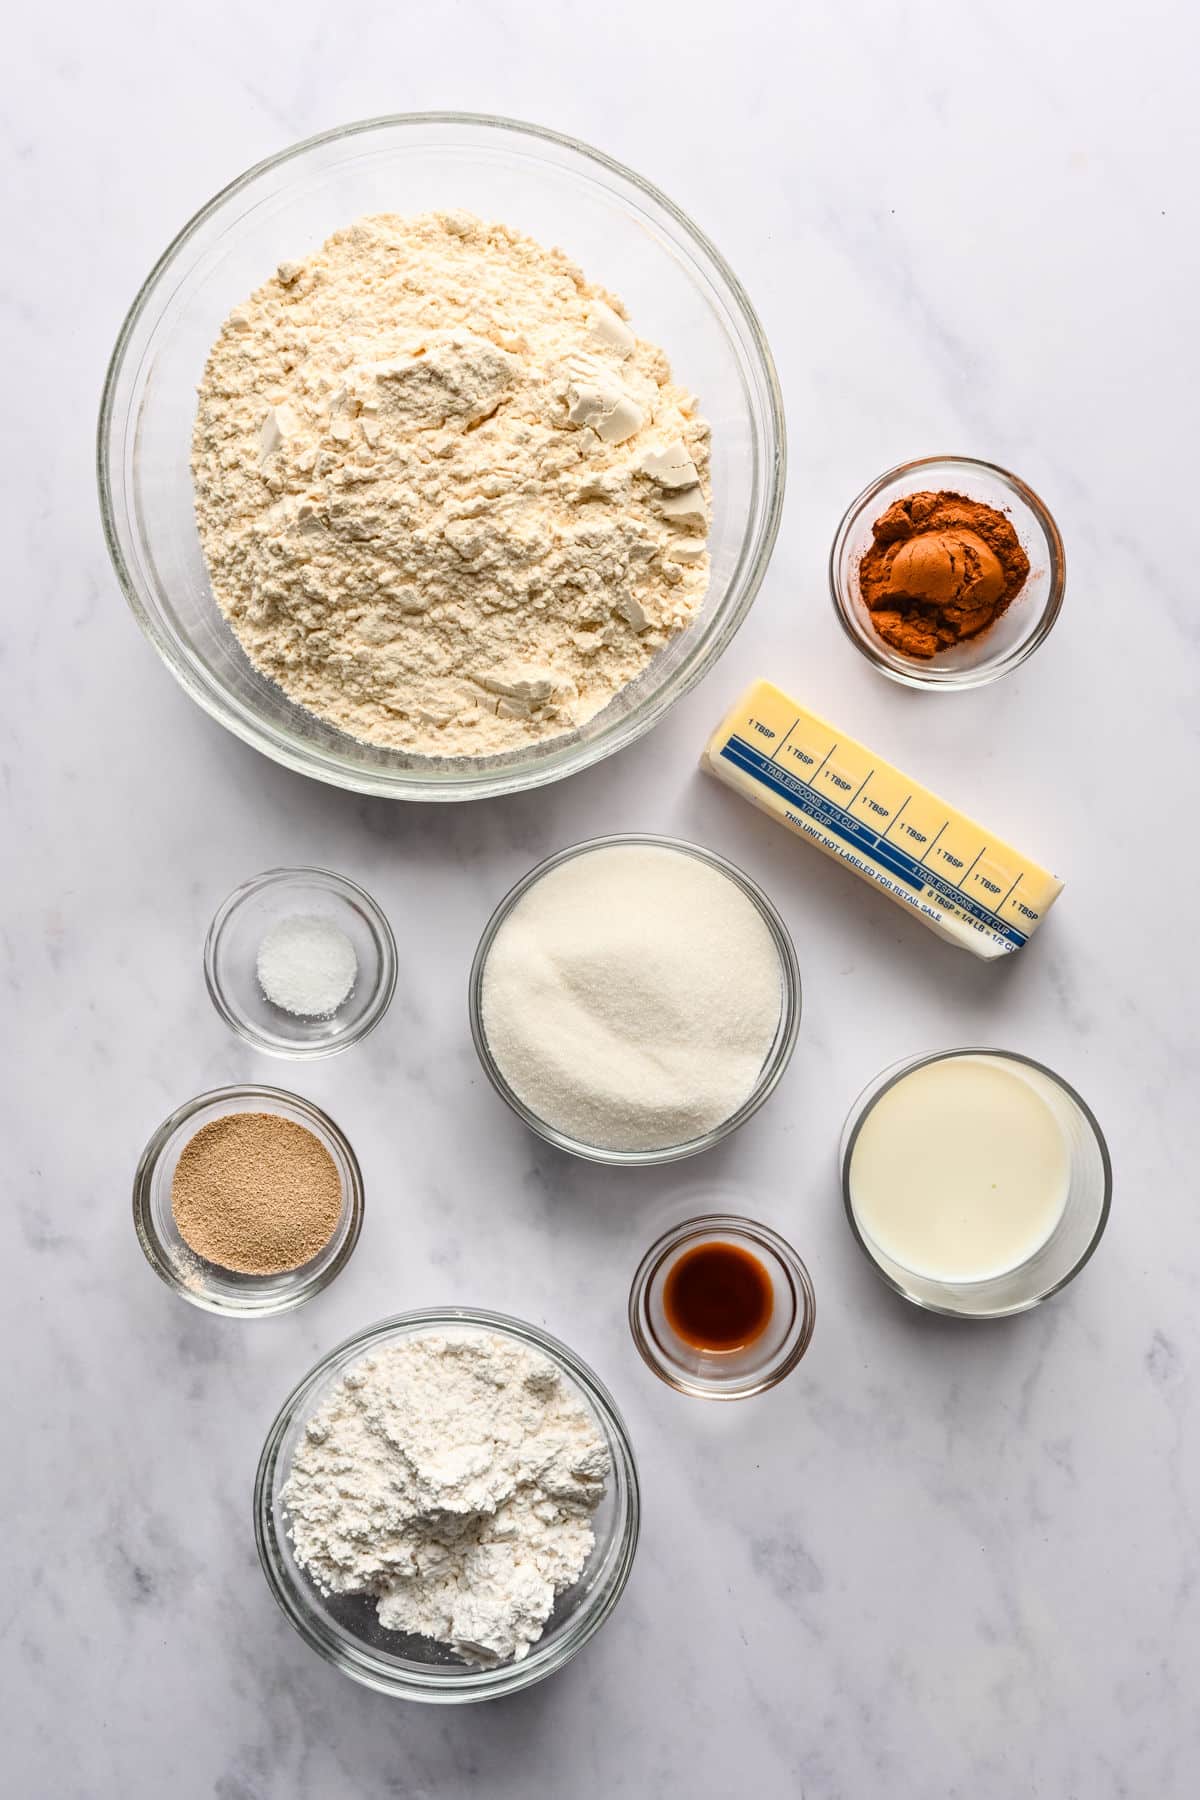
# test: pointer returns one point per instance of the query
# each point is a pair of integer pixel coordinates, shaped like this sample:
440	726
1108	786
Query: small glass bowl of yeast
976	1181
721	1307
206	1284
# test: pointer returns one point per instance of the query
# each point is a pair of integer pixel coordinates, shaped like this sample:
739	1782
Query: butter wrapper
969	886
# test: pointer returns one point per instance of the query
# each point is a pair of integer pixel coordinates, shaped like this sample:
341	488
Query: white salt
631	997
306	966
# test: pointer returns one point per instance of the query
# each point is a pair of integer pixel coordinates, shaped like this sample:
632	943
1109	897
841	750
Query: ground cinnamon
941	568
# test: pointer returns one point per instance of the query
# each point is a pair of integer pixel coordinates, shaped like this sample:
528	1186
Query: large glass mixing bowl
623	233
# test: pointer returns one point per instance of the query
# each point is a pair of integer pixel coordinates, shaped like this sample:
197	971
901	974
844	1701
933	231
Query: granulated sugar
631	997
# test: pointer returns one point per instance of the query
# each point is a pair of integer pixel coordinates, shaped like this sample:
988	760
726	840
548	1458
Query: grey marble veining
937	1562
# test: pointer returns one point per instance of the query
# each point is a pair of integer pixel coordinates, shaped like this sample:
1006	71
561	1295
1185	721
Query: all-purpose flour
448	499
452	1478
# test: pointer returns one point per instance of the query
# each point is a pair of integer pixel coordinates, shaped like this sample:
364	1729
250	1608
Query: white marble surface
938	1561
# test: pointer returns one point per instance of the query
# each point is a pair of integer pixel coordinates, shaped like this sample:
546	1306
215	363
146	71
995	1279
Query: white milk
961	1169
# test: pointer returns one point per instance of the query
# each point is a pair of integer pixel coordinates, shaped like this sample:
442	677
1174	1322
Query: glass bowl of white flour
276	679
447	1506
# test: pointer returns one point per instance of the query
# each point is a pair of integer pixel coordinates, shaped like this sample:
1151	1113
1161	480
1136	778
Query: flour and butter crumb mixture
449	501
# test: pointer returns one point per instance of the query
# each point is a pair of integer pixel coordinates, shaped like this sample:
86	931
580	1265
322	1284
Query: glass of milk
977	1181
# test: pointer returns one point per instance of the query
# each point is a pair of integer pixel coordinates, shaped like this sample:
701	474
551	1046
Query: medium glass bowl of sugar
620	229
345	1628
635	999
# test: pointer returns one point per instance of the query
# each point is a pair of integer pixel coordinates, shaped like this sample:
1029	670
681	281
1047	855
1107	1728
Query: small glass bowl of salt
300	962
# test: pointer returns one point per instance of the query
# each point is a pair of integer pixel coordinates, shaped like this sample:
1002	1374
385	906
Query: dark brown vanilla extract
718	1296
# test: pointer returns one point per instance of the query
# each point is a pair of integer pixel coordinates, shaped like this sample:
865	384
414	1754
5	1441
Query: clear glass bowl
1015	635
774	1064
724	1374
345	1629
207	1284
1064	1252
620	229
231	958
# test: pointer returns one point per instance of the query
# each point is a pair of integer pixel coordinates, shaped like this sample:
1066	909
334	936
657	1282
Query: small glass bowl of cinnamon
962	645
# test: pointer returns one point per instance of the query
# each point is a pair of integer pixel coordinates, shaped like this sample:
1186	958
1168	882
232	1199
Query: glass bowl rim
918	676
886	1079
713	1224
769	485
773	1069
385	987
143	1211
466	1684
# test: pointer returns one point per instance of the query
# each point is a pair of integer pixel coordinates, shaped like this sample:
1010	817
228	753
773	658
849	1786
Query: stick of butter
968	886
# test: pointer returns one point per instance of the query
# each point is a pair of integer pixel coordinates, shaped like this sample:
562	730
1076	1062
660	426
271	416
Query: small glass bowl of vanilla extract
721	1307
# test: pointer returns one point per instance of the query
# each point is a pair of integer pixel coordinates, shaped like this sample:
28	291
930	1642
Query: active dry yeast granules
256	1193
